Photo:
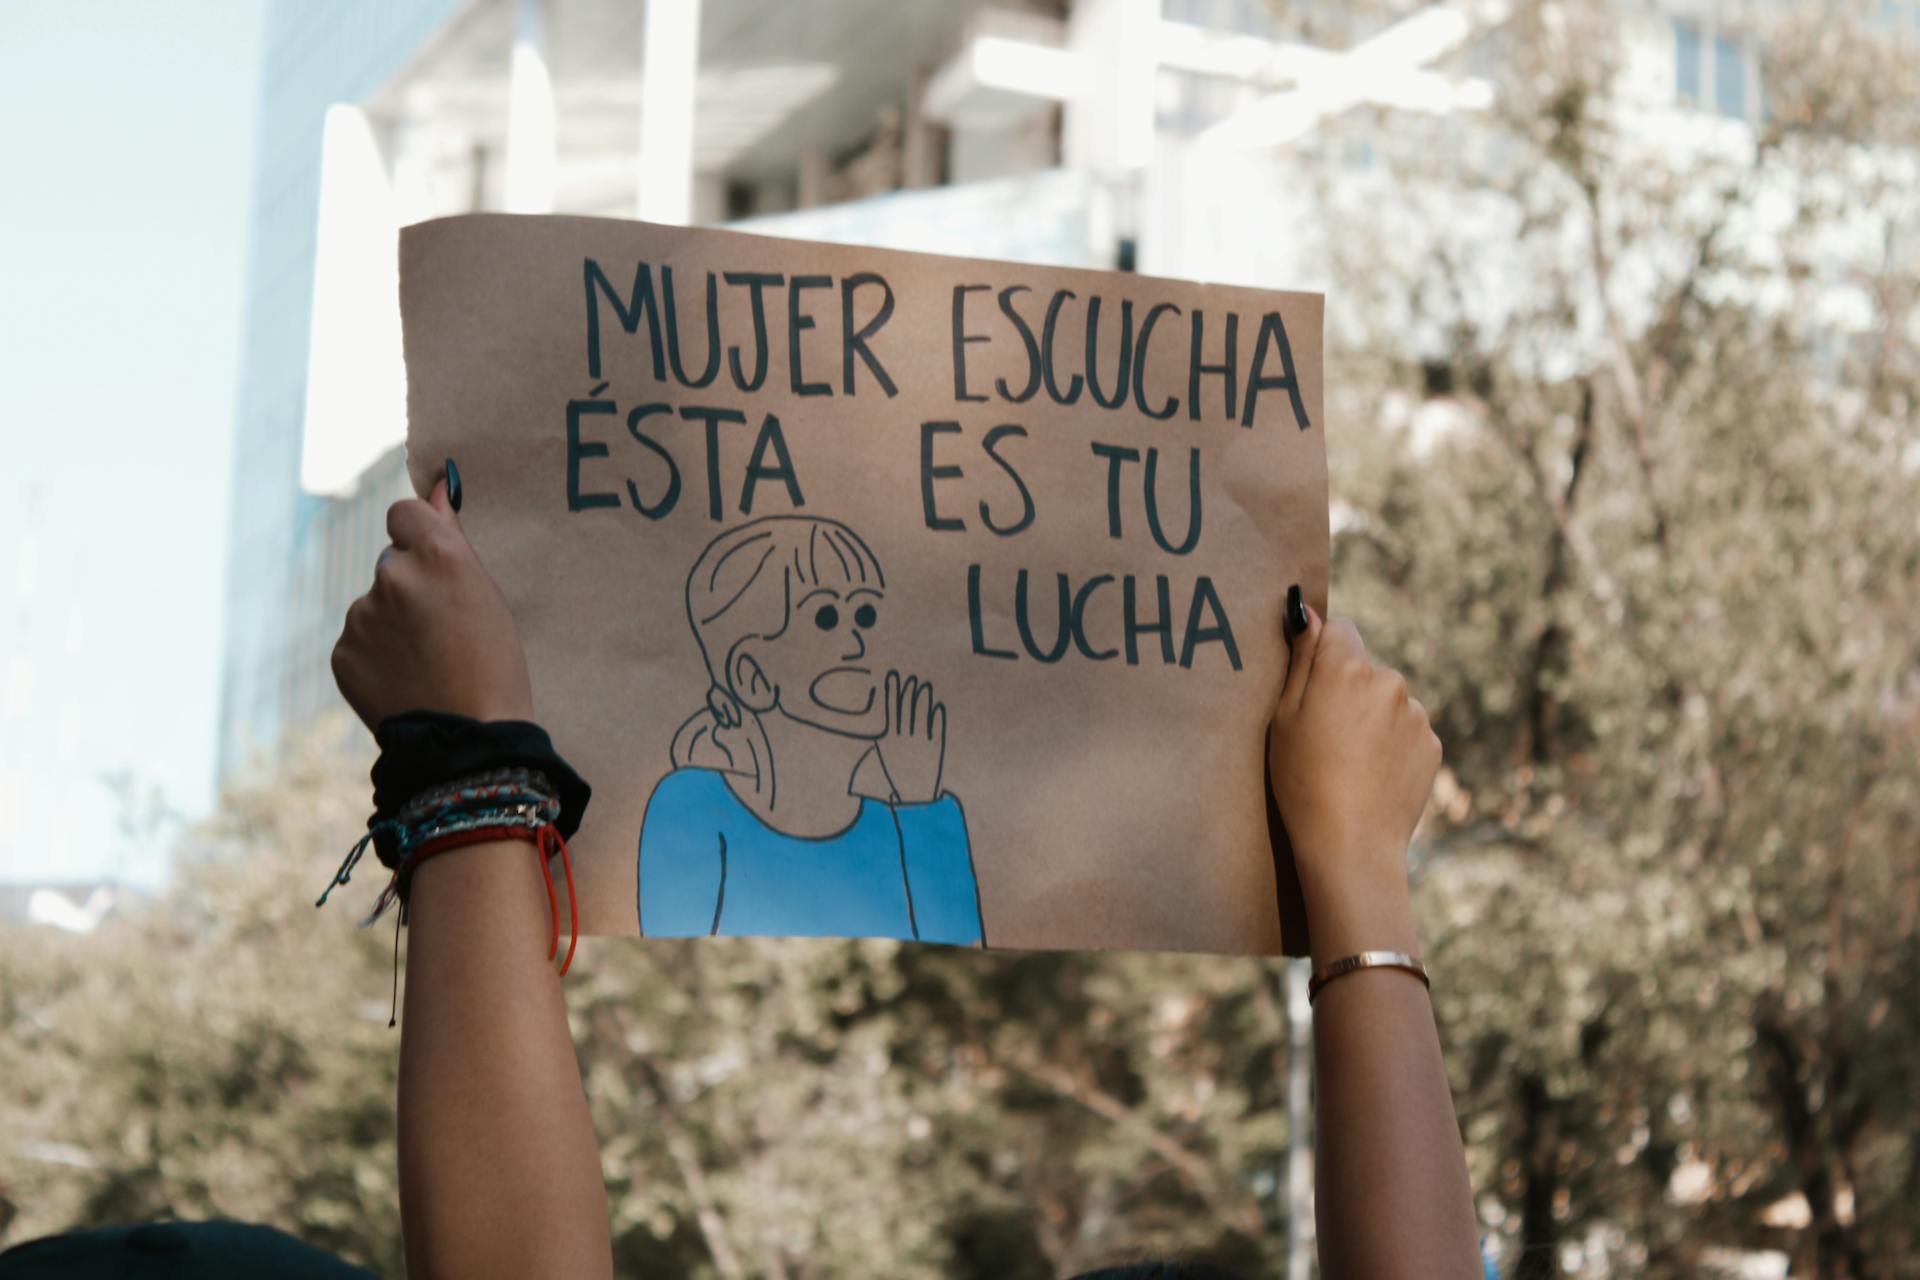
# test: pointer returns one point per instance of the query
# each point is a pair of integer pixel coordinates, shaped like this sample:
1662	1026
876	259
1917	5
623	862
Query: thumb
1303	650
446	494
445	501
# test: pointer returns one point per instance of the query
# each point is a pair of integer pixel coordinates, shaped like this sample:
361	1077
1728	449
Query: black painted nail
453	486
1296	613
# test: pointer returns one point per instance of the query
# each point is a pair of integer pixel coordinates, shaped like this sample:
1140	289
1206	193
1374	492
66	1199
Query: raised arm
1353	760
499	1169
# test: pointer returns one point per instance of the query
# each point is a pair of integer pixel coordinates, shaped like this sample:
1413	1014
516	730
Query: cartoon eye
864	616
826	618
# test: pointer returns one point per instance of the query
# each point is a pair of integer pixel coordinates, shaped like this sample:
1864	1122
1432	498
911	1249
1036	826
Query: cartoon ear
725	709
750	684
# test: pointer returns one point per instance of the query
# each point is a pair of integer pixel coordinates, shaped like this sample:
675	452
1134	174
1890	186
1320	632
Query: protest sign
881	593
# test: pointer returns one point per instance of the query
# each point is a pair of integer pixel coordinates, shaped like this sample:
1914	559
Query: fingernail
453	486
1296	615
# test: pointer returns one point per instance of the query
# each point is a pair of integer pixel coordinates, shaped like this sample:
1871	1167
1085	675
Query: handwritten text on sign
1060	336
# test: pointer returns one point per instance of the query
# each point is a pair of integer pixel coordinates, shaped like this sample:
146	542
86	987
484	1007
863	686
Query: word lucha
1101	619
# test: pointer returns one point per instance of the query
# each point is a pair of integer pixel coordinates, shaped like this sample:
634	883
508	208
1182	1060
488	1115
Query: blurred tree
220	1052
1641	525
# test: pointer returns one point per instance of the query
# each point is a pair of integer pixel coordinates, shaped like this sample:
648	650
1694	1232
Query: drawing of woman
805	798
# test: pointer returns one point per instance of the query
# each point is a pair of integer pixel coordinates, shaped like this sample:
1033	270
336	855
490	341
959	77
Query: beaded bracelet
500	797
500	804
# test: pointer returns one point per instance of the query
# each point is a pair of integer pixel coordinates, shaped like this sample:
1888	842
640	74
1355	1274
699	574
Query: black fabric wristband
424	749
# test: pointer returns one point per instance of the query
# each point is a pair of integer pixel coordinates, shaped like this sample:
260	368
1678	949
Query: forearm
1392	1196
499	1169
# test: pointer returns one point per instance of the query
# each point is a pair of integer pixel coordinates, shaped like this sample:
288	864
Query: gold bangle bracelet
1367	960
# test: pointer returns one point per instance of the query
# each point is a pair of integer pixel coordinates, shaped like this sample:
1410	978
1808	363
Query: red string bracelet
546	840
550	837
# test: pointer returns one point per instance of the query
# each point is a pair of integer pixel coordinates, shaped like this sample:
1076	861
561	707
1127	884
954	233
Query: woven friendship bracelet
500	797
498	787
501	804
445	781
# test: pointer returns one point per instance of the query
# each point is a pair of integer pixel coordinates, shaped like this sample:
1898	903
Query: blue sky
126	139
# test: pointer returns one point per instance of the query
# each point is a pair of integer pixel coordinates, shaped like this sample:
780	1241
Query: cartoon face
820	666
785	608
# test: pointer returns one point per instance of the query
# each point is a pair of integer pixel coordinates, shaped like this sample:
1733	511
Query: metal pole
672	64
1300	1235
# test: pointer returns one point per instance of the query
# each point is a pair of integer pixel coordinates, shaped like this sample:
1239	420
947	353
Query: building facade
313	55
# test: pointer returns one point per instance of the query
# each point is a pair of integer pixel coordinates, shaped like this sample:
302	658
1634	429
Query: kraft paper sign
885	594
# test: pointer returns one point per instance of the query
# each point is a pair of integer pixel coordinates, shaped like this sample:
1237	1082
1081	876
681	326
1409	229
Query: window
1242	17
1729	79
1686	60
1716	69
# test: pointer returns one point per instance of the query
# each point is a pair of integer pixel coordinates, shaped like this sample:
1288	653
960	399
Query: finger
1341	653
924	714
410	522
445	501
1425	721
344	661
359	613
1343	641
1293	618
939	723
386	570
892	700
1306	647
346	676
912	703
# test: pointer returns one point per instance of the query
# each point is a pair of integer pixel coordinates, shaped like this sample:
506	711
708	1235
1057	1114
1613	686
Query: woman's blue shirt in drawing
709	865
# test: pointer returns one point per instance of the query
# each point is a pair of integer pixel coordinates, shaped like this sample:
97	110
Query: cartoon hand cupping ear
915	741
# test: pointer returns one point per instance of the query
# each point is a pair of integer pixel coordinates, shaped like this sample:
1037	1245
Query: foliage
1646	541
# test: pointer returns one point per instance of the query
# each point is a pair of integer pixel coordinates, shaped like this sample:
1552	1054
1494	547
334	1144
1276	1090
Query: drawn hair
742	589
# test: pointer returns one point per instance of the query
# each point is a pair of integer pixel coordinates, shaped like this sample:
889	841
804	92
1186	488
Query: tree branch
1238	1210
686	1161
